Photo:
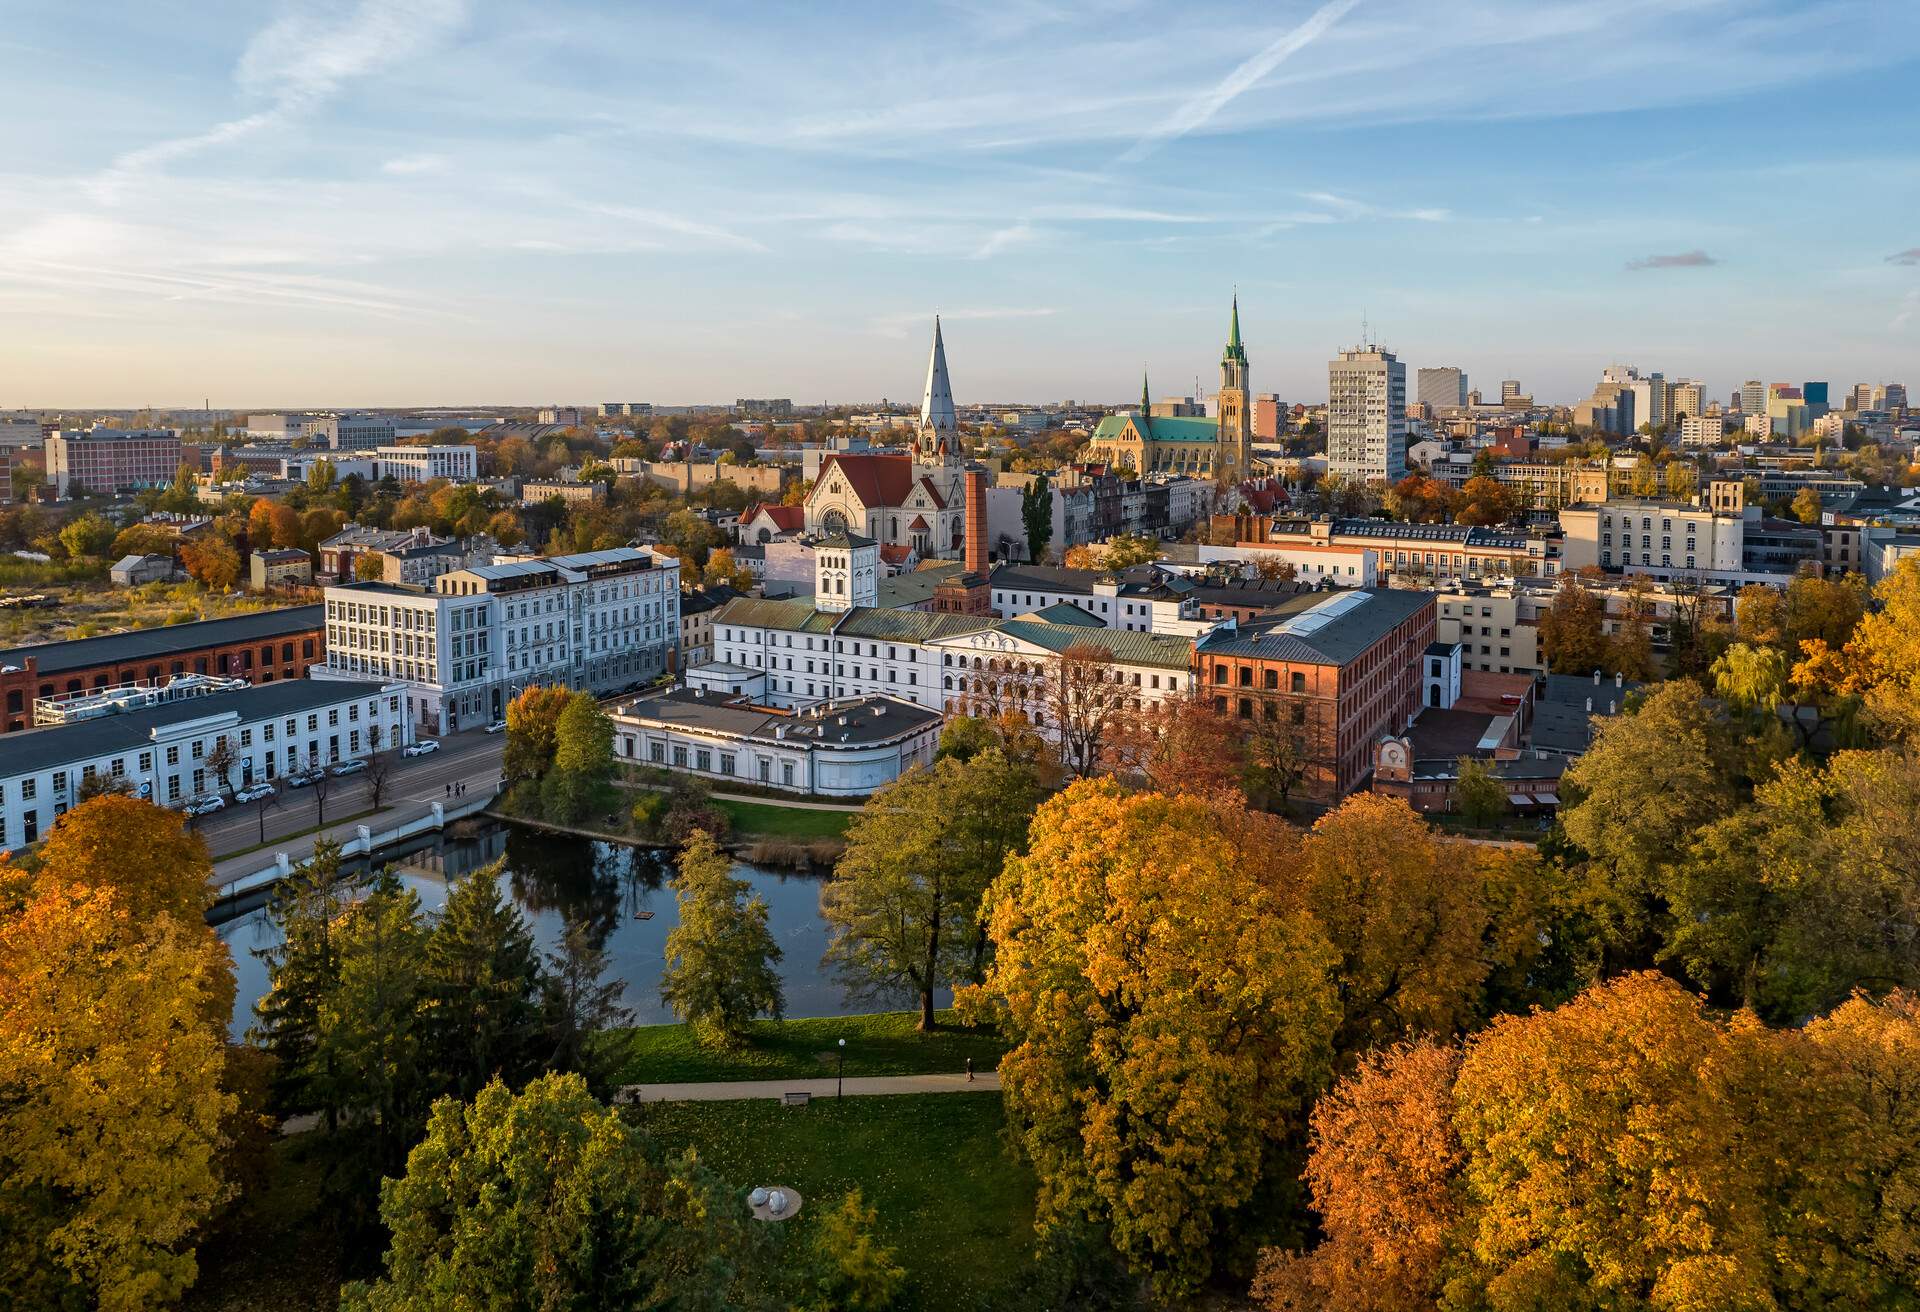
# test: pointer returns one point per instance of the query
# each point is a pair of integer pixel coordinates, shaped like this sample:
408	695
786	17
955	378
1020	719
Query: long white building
160	749
469	642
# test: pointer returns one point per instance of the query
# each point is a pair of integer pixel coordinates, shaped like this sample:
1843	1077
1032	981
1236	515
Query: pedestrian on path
449	790
969	1070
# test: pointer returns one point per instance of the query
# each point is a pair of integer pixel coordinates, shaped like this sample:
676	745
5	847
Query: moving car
301	778
498	726
206	805
346	768
254	792
421	747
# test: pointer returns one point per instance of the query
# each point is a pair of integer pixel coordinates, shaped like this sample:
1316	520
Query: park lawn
772	821
954	1206
882	1043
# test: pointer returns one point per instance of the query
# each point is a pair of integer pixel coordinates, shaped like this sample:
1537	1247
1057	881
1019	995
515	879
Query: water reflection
556	880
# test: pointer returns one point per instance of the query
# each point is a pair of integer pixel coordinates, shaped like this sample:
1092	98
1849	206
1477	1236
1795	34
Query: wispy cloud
1911	256
904	323
1684	260
1200	110
1006	239
408	165
297	63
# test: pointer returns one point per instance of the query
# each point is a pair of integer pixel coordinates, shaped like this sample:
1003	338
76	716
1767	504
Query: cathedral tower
938	440
1234	445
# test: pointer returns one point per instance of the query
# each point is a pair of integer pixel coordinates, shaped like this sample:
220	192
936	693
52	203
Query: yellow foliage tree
1173	1017
110	1099
143	852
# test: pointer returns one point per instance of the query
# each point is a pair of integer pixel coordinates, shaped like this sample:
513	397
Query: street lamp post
840	1080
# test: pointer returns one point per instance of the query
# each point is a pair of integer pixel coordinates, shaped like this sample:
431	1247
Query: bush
688	815
648	812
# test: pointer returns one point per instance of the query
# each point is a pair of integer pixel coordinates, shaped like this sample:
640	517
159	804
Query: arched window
834	521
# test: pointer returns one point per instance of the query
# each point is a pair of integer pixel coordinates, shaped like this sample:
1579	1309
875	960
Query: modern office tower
1442	389
1509	389
1861	397
1686	397
1753	397
1367	416
1896	396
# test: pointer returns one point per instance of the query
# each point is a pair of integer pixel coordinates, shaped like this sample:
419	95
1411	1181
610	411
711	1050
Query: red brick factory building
261	647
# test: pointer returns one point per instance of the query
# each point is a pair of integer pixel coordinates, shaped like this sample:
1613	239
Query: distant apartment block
776	407
1367	416
566	416
1442	389
113	459
350	432
420	464
1269	417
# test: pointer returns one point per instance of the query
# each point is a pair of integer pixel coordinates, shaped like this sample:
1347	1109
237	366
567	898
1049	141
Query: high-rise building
1815	395
1753	397
1649	401
1861	397
1509	389
1267	416
1440	389
1896	396
1367	416
1686	398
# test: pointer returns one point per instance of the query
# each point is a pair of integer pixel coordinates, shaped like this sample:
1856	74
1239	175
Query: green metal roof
1160	429
1234	350
908	625
795	615
1127	647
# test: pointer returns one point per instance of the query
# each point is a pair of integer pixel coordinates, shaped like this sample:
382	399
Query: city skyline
394	203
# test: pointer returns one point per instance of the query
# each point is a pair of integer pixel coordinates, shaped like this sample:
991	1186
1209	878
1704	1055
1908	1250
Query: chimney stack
976	521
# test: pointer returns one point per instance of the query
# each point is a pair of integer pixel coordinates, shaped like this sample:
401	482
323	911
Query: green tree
1572	631
533	723
582	760
721	958
853	1271
302	971
88	534
1036	516
546	1199
577	1003
482	988
1481	797
1806	506
1751	679
905	906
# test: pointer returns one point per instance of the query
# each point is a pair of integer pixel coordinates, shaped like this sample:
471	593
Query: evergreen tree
721	957
482	988
1036	515
578	1003
301	971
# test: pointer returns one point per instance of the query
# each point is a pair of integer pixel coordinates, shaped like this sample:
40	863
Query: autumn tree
1087	705
722	960
211	562
1760	616
111	1105
145	853
1572	631
260	523
1478	793
369	567
1420	922
582	760
287	527
1630	650
1036	516
1171	1018
1184	744
87	534
1382	1166
533	723
1806	506
1484	501
545	1198
1275	759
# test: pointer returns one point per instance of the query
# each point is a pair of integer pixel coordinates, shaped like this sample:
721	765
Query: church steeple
939	437
1146	406
1234	351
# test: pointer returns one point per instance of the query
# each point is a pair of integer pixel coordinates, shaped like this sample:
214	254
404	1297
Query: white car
347	768
254	792
498	726
421	748
206	805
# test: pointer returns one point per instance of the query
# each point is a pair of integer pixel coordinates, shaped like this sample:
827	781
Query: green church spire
1146	406
1234	350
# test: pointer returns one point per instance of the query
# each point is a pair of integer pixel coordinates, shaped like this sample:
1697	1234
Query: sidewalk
856	1085
299	849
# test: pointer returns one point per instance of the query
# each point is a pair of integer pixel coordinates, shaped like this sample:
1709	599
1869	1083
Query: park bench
797	1097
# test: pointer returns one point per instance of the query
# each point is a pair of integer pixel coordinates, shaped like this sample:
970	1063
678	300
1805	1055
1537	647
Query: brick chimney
976	521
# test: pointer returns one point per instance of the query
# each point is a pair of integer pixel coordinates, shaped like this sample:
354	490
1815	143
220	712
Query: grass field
765	818
883	1043
953	1205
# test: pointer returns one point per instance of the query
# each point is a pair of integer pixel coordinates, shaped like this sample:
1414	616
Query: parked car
498	726
421	747
254	792
206	805
301	778
346	768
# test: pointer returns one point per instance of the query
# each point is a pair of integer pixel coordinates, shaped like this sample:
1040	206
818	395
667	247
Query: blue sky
447	201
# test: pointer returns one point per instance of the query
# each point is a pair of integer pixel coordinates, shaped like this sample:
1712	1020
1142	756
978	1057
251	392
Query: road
472	758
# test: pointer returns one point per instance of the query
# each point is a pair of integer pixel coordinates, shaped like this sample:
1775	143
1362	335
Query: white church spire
939	427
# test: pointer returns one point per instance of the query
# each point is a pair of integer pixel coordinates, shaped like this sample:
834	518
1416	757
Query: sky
453	202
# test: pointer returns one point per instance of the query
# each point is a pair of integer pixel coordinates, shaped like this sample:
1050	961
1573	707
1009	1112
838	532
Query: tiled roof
788	519
793	615
876	480
1127	647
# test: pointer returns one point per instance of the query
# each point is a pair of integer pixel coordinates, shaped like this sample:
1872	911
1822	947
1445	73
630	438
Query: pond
555	879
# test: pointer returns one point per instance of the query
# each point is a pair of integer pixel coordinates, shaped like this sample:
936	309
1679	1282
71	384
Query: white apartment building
1703	430
468	643
1655	536
1367	416
419	464
1649	400
160	750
